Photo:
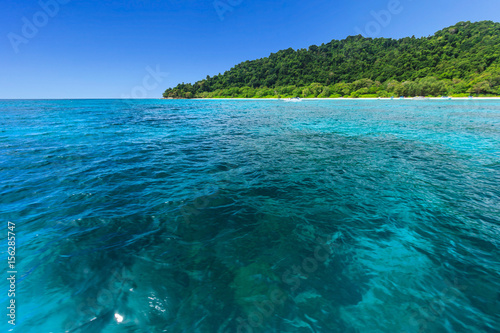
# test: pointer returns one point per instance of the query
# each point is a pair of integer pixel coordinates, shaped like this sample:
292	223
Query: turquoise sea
252	216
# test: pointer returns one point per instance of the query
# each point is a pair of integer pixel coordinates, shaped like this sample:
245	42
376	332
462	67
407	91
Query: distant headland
459	61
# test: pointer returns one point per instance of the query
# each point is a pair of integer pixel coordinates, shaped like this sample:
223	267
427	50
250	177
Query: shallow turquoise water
253	216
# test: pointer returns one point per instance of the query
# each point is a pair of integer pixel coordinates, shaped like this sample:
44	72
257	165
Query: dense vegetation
460	60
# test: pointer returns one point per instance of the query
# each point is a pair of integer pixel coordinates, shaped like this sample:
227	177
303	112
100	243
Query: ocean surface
252	216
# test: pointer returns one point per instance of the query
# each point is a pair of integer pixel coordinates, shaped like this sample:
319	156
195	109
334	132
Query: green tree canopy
461	59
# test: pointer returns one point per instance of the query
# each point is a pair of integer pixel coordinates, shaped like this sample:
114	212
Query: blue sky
138	48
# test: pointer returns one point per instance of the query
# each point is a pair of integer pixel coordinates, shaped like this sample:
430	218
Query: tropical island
458	61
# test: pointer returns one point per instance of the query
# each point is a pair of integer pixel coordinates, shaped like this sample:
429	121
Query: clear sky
138	48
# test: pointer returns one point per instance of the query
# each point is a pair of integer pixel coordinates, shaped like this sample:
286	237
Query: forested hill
460	60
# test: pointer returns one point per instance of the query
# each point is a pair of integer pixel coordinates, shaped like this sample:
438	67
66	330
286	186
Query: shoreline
339	99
